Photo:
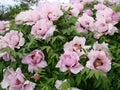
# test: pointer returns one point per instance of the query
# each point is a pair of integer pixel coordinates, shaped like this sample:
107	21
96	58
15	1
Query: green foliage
116	8
65	86
9	13
30	2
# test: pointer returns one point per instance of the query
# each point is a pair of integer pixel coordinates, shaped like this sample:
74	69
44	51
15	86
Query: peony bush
62	46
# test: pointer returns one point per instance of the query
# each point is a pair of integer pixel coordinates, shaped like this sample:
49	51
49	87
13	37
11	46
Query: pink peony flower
5	55
77	5
85	23
13	79
116	16
108	17
35	60
73	12
103	28
76	8
98	60
4	25
69	61
102	47
50	10
3	43
43	29
99	47
29	17
100	6
76	45
88	11
28	85
14	39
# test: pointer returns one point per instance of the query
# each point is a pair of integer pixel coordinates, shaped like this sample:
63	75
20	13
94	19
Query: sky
12	2
8	2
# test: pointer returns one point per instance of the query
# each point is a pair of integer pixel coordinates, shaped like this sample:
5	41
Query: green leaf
116	65
116	8
53	39
47	48
78	79
65	86
1	71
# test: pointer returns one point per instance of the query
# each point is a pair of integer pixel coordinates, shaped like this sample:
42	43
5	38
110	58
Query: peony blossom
14	39
99	47
76	8
13	79
85	23
5	55
3	43
116	16
28	85
73	11
88	12
69	61
50	10
100	6
29	17
103	28
76	45
76	4
102	47
35	60
59	82
43	29
108	17
4	25
98	60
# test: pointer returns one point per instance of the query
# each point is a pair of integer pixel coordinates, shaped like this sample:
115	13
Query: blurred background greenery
8	12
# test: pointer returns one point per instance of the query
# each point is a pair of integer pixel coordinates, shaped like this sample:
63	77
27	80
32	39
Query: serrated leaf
46	47
116	65
53	39
78	79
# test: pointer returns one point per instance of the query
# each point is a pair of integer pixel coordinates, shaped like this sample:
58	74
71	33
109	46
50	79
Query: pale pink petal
28	85
43	64
76	69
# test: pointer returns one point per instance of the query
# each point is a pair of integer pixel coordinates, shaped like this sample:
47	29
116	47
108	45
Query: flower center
32	56
36	58
97	63
82	26
18	82
78	47
87	23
